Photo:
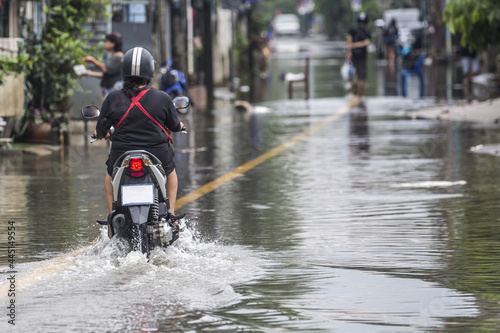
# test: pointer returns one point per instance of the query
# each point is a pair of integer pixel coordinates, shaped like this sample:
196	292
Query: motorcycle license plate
137	194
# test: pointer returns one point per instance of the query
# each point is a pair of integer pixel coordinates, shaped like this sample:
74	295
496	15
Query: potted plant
50	79
48	61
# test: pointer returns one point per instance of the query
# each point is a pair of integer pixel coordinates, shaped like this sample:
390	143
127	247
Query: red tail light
136	167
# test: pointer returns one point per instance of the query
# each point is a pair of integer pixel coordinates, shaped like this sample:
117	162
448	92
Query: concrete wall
134	34
223	42
12	96
11	92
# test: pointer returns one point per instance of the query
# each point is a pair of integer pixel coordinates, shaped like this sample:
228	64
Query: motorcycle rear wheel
481	91
140	239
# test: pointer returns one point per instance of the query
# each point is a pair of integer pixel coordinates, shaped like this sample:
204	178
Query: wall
223	42
12	96
11	92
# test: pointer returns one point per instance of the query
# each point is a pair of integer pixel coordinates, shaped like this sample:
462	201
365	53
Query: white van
286	24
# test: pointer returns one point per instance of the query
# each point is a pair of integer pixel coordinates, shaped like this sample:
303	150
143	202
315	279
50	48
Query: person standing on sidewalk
110	72
358	39
470	68
390	37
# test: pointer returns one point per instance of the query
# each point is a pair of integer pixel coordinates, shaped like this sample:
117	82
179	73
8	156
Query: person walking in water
358	39
390	37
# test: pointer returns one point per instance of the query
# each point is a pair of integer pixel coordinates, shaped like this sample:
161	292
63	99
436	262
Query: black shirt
113	71
359	33
138	131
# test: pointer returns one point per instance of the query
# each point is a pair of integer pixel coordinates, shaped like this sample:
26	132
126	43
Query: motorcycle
175	84
485	86
140	212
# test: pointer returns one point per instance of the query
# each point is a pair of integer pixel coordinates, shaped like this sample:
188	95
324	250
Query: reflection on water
359	132
53	200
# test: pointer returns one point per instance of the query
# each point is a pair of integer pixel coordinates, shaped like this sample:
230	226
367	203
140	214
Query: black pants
360	65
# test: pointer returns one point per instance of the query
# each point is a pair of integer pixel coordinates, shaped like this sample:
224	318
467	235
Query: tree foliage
14	65
477	21
50	78
338	16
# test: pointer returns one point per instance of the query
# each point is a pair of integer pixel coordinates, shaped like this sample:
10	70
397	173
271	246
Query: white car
286	24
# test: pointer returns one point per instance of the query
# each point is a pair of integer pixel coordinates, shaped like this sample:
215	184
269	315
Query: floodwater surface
369	222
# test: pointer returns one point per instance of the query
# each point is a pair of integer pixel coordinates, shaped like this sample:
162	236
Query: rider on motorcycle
142	117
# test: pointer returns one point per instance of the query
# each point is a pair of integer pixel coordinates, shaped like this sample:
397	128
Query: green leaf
49	61
478	22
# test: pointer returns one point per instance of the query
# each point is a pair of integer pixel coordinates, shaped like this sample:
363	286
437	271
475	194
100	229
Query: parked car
286	24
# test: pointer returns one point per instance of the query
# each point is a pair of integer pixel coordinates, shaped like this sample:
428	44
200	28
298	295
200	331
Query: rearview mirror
90	112
181	102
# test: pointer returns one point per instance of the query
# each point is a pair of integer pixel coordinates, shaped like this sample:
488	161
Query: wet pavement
365	220
487	112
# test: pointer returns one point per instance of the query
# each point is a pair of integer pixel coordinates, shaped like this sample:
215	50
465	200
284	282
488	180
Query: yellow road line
209	187
55	265
47	269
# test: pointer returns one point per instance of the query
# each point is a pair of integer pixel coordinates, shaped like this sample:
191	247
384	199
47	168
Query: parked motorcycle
175	84
485	86
140	204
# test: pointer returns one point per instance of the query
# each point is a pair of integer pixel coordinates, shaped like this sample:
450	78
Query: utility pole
449	51
250	52
189	20
207	52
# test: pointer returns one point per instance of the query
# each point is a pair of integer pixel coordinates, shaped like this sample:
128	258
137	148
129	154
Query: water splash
122	290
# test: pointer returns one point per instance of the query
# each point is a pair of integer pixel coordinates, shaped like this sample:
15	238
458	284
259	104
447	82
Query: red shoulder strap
139	96
135	101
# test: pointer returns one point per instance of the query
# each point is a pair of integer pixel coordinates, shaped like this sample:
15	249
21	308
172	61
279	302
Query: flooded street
356	219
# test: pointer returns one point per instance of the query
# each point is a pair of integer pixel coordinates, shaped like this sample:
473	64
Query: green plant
41	116
478	22
15	65
50	79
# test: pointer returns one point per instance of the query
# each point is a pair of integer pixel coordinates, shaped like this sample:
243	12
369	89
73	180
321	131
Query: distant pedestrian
390	37
470	68
110	71
358	39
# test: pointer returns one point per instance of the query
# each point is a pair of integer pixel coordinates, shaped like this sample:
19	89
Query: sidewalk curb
34	150
487	112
